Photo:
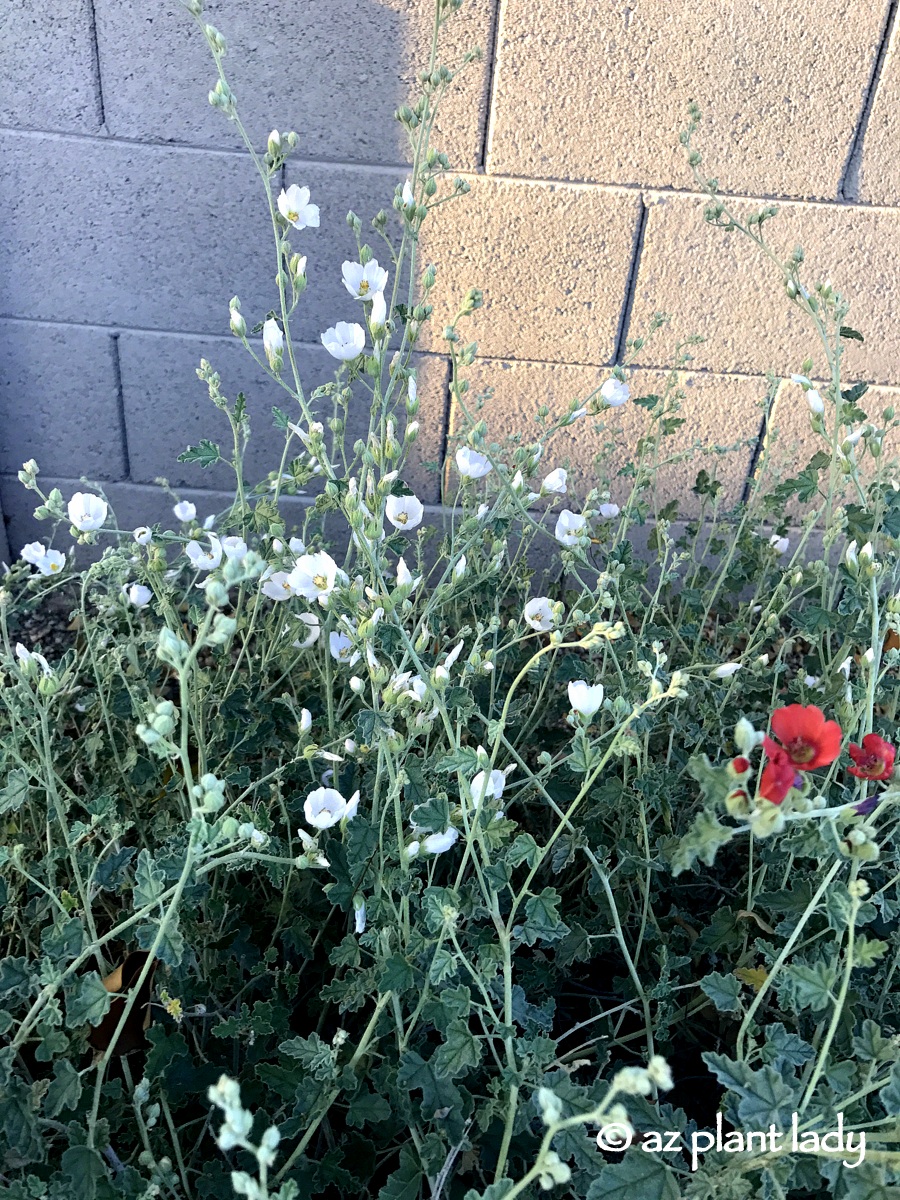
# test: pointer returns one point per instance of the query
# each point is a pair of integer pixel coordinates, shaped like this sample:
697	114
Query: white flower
143	535
364	282
569	528
344	341
52	563
437	843
340	647
660	1073
137	594
324	807
487	787
26	657
483	510
412	849
48	562
726	670
305	720
33	553
615	392
296	546
296	209
234	548
815	401
407	195
203	559
277	586
555	482
779	544
404	512
378	316
184	511
87	511
472	464
314	576
460	569
313	631
405	577
273	342
608	511
538	613
352	807
359	911
584	697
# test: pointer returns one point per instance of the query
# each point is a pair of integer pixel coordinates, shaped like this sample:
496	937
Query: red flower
874	759
806	737
779	775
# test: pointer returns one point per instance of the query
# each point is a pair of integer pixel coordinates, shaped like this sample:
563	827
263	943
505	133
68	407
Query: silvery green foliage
362	855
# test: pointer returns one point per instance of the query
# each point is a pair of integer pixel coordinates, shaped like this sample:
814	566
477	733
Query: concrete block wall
130	215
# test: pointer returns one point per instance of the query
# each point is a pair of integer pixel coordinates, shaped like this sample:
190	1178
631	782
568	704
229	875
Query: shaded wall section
131	215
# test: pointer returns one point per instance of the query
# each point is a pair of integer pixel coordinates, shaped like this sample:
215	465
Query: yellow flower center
54	566
321	582
292	216
364	287
402	517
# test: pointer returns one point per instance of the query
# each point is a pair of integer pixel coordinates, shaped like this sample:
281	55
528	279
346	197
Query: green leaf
458	1053
443	967
523	850
149	880
853	334
868	951
723	990
783	1047
871	1044
313	1053
493	1191
890	1093
171	945
84	1167
396	975
811	985
368	1109
87	1002
707	835
15	978
64	1090
542	919
637	1175
205	454
765	1099
404	1183
14	795
463	759
433	816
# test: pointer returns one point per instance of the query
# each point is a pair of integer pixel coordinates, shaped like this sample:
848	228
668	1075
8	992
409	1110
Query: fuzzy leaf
638	1174
15	793
723	990
458	1053
88	1002
204	454
405	1183
64	1090
706	837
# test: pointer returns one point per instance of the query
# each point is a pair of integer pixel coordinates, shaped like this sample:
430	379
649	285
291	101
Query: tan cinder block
598	89
551	259
721	286
879	168
718	410
790	441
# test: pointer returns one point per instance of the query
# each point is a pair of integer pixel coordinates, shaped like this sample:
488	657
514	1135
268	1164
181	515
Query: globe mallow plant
352	849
